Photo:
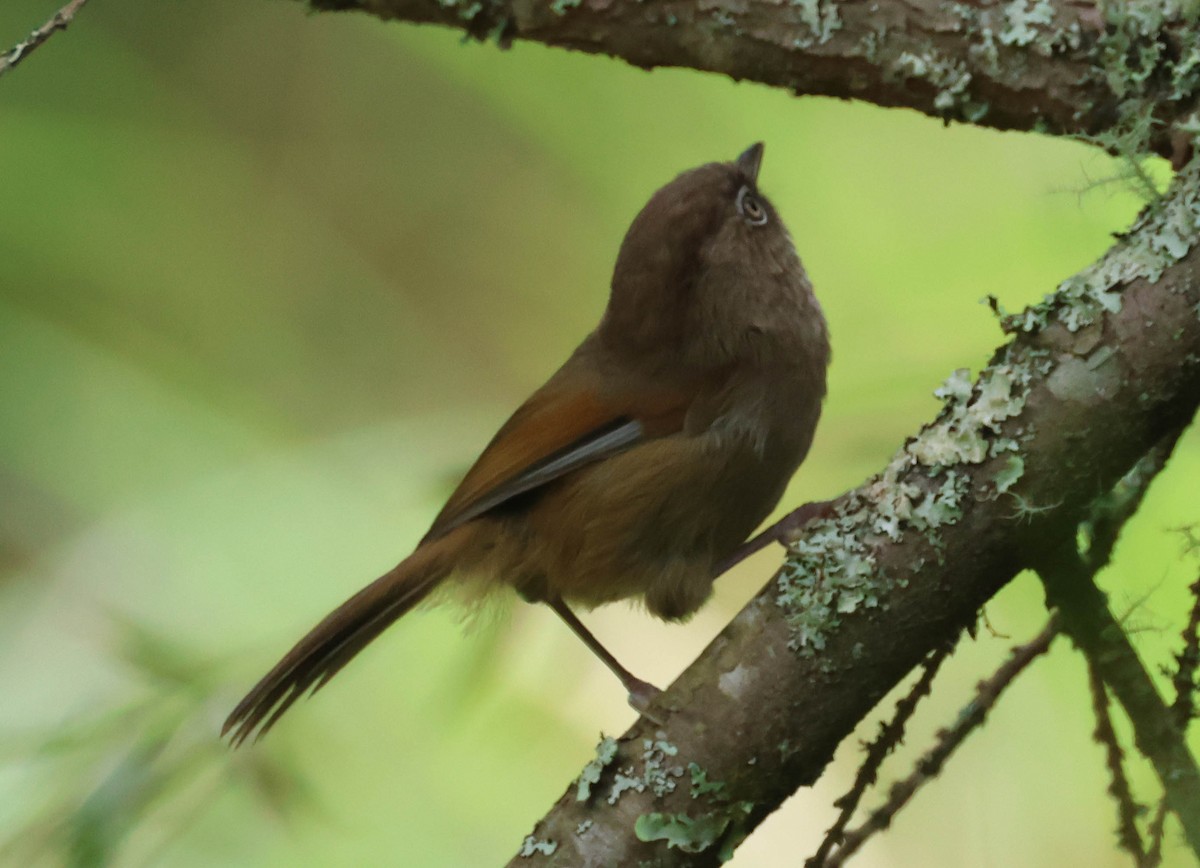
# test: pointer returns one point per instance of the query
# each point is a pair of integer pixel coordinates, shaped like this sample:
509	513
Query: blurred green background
269	281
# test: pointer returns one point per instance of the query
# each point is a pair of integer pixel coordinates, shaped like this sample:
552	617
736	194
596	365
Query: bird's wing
559	429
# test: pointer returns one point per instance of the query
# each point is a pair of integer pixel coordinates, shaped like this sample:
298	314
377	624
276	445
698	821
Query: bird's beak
750	160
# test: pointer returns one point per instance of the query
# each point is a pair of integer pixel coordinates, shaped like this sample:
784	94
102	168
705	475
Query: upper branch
1092	379
1128	72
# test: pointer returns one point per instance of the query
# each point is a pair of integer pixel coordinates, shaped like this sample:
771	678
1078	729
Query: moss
561	7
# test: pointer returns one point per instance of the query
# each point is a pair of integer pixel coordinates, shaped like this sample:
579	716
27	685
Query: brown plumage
645	461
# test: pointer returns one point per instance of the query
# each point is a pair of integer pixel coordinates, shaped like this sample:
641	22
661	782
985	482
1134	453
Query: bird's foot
782	532
641	695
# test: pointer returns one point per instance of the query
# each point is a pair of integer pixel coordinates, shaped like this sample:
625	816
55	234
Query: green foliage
113	773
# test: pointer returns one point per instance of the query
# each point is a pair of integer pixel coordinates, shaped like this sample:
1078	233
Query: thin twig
1108	514
1183	709
891	734
1127	809
21	50
1087	620
987	694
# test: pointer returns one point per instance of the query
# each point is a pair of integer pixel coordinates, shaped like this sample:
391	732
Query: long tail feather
342	634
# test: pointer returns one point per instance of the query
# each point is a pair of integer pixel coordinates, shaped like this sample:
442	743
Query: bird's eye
749	207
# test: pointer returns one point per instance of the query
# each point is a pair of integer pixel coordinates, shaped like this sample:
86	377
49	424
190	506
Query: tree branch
21	50
1123	70
1093	379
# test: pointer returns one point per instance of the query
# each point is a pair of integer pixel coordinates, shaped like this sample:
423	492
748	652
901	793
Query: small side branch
1183	709
1091	626
972	717
21	50
1108	514
890	735
1127	809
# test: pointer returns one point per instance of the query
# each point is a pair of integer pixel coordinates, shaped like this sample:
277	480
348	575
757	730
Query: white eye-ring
749	207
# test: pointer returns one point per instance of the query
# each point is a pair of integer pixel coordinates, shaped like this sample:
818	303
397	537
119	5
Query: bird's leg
641	693
778	532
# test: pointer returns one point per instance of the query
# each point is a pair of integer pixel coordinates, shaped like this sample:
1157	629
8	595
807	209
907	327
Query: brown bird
645	461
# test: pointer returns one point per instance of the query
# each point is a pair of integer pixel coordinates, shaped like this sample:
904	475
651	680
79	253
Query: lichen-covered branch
1125	72
1091	380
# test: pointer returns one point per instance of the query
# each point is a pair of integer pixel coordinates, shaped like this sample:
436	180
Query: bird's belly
651	523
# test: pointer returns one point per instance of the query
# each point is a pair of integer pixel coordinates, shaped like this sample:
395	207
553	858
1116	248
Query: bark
1125	72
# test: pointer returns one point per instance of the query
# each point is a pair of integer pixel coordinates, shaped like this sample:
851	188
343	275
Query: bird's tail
343	633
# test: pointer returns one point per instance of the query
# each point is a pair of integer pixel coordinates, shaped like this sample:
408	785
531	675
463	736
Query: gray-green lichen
701	785
1136	51
1018	28
725	827
531	846
656	774
949	76
1023	21
606	752
467	12
1028	25
1010	473
832	571
1162	235
717	821
560	7
820	17
1148	56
